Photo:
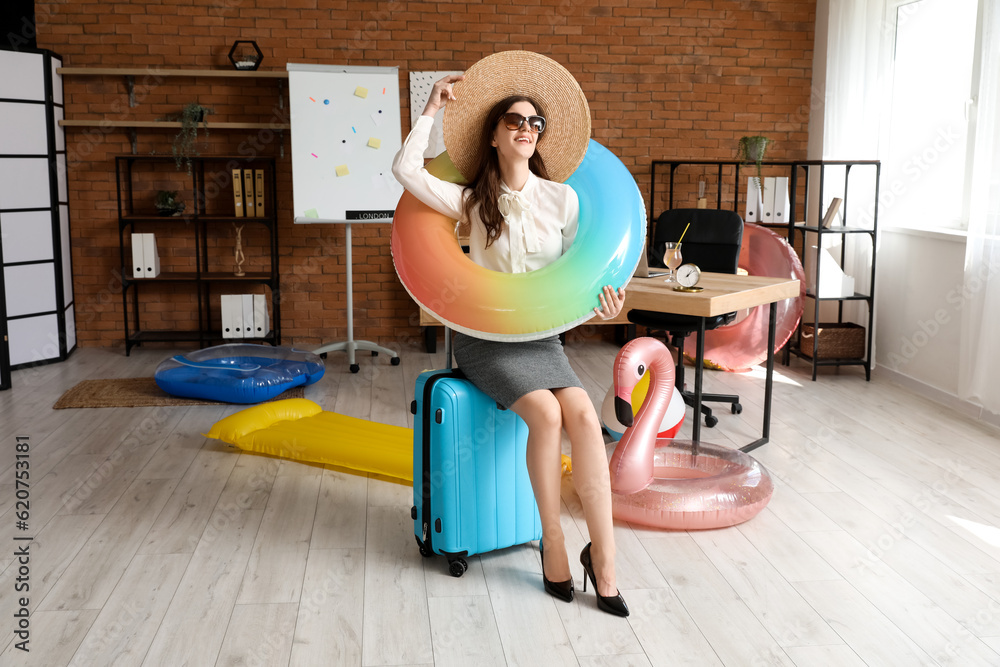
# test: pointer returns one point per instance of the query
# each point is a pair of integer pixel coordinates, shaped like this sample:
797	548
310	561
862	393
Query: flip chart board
345	132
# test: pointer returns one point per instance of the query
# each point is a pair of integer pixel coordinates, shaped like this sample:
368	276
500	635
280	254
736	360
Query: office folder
261	322
258	191
781	202
246	306
232	316
767	203
248	193
238	193
753	201
150	256
138	263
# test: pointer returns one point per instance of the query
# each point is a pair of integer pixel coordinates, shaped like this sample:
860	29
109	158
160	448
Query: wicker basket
836	341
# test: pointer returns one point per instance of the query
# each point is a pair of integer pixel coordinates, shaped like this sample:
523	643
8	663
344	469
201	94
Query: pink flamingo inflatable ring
675	484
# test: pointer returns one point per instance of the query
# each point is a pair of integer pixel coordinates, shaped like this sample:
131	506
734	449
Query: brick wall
665	78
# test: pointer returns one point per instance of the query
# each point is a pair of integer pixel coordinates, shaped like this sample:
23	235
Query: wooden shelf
130	73
171	124
143	71
214	276
193	336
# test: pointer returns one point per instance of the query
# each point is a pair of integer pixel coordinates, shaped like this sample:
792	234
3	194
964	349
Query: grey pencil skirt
507	371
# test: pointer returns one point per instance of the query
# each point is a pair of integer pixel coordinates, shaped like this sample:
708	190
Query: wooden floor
155	546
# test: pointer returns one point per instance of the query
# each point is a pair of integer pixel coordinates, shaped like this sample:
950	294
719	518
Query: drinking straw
682	235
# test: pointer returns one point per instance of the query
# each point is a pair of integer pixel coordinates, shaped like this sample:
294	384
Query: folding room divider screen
36	286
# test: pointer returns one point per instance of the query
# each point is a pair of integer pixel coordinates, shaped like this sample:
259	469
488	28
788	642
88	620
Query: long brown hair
484	189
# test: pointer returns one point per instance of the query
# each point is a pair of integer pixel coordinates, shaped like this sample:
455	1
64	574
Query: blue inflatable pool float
238	373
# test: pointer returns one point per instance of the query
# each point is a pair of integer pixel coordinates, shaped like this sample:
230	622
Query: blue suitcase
471	491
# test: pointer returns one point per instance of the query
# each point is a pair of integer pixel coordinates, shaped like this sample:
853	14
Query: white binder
768	200
261	322
138	263
150	256
246	301
232	316
753	201
781	202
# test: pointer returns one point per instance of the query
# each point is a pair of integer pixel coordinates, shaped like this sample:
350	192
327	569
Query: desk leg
350	345
768	381
699	368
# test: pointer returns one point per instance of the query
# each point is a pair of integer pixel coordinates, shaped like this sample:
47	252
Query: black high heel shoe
613	605
557	589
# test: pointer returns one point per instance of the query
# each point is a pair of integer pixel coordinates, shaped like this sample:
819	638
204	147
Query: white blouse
540	220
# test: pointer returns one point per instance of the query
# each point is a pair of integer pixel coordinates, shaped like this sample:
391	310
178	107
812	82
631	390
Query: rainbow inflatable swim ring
523	306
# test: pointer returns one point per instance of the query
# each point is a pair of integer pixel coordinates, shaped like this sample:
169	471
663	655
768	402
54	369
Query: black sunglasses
514	121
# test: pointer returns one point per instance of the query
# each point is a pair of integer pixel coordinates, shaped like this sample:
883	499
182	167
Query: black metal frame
818	229
5	371
201	277
794	166
53	156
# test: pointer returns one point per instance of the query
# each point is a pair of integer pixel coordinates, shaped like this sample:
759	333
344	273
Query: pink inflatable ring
695	487
674	484
743	344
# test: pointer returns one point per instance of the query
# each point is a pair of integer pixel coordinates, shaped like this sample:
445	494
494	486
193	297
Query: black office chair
712	242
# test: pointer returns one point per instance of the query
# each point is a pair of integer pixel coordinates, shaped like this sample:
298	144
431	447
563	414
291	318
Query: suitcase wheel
424	551
458	567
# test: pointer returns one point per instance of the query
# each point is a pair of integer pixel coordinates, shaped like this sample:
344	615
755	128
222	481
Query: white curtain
979	354
851	128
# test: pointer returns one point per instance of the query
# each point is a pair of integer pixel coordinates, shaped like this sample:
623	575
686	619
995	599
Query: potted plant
751	151
166	203
184	143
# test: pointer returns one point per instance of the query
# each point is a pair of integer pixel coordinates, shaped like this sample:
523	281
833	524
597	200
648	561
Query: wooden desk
723	293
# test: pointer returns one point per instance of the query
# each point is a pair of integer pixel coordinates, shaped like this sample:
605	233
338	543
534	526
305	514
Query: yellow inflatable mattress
299	429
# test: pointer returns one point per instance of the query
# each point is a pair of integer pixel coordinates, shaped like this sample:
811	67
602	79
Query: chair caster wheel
394	361
711	421
355	368
737	409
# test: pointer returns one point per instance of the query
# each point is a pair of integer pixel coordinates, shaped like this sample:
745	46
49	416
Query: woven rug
134	393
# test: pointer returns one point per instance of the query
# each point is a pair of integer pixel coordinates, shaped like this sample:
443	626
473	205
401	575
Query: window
928	112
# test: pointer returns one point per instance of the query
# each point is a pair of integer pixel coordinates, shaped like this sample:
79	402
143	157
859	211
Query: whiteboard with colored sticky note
345	132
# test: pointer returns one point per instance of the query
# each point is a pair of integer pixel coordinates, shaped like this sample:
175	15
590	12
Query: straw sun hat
495	77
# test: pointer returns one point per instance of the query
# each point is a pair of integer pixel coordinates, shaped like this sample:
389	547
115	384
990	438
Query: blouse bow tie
516	211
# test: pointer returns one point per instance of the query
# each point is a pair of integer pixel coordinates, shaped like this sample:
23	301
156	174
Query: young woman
521	221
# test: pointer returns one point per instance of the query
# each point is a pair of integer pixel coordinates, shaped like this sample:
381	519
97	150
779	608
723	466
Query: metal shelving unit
843	230
724	170
201	277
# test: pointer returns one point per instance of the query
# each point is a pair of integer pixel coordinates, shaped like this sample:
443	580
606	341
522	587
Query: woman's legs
544	416
592	479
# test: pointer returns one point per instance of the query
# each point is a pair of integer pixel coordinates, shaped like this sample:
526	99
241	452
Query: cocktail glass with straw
672	255
671	259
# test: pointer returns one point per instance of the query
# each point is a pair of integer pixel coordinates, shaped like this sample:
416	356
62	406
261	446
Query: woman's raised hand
611	303
441	93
